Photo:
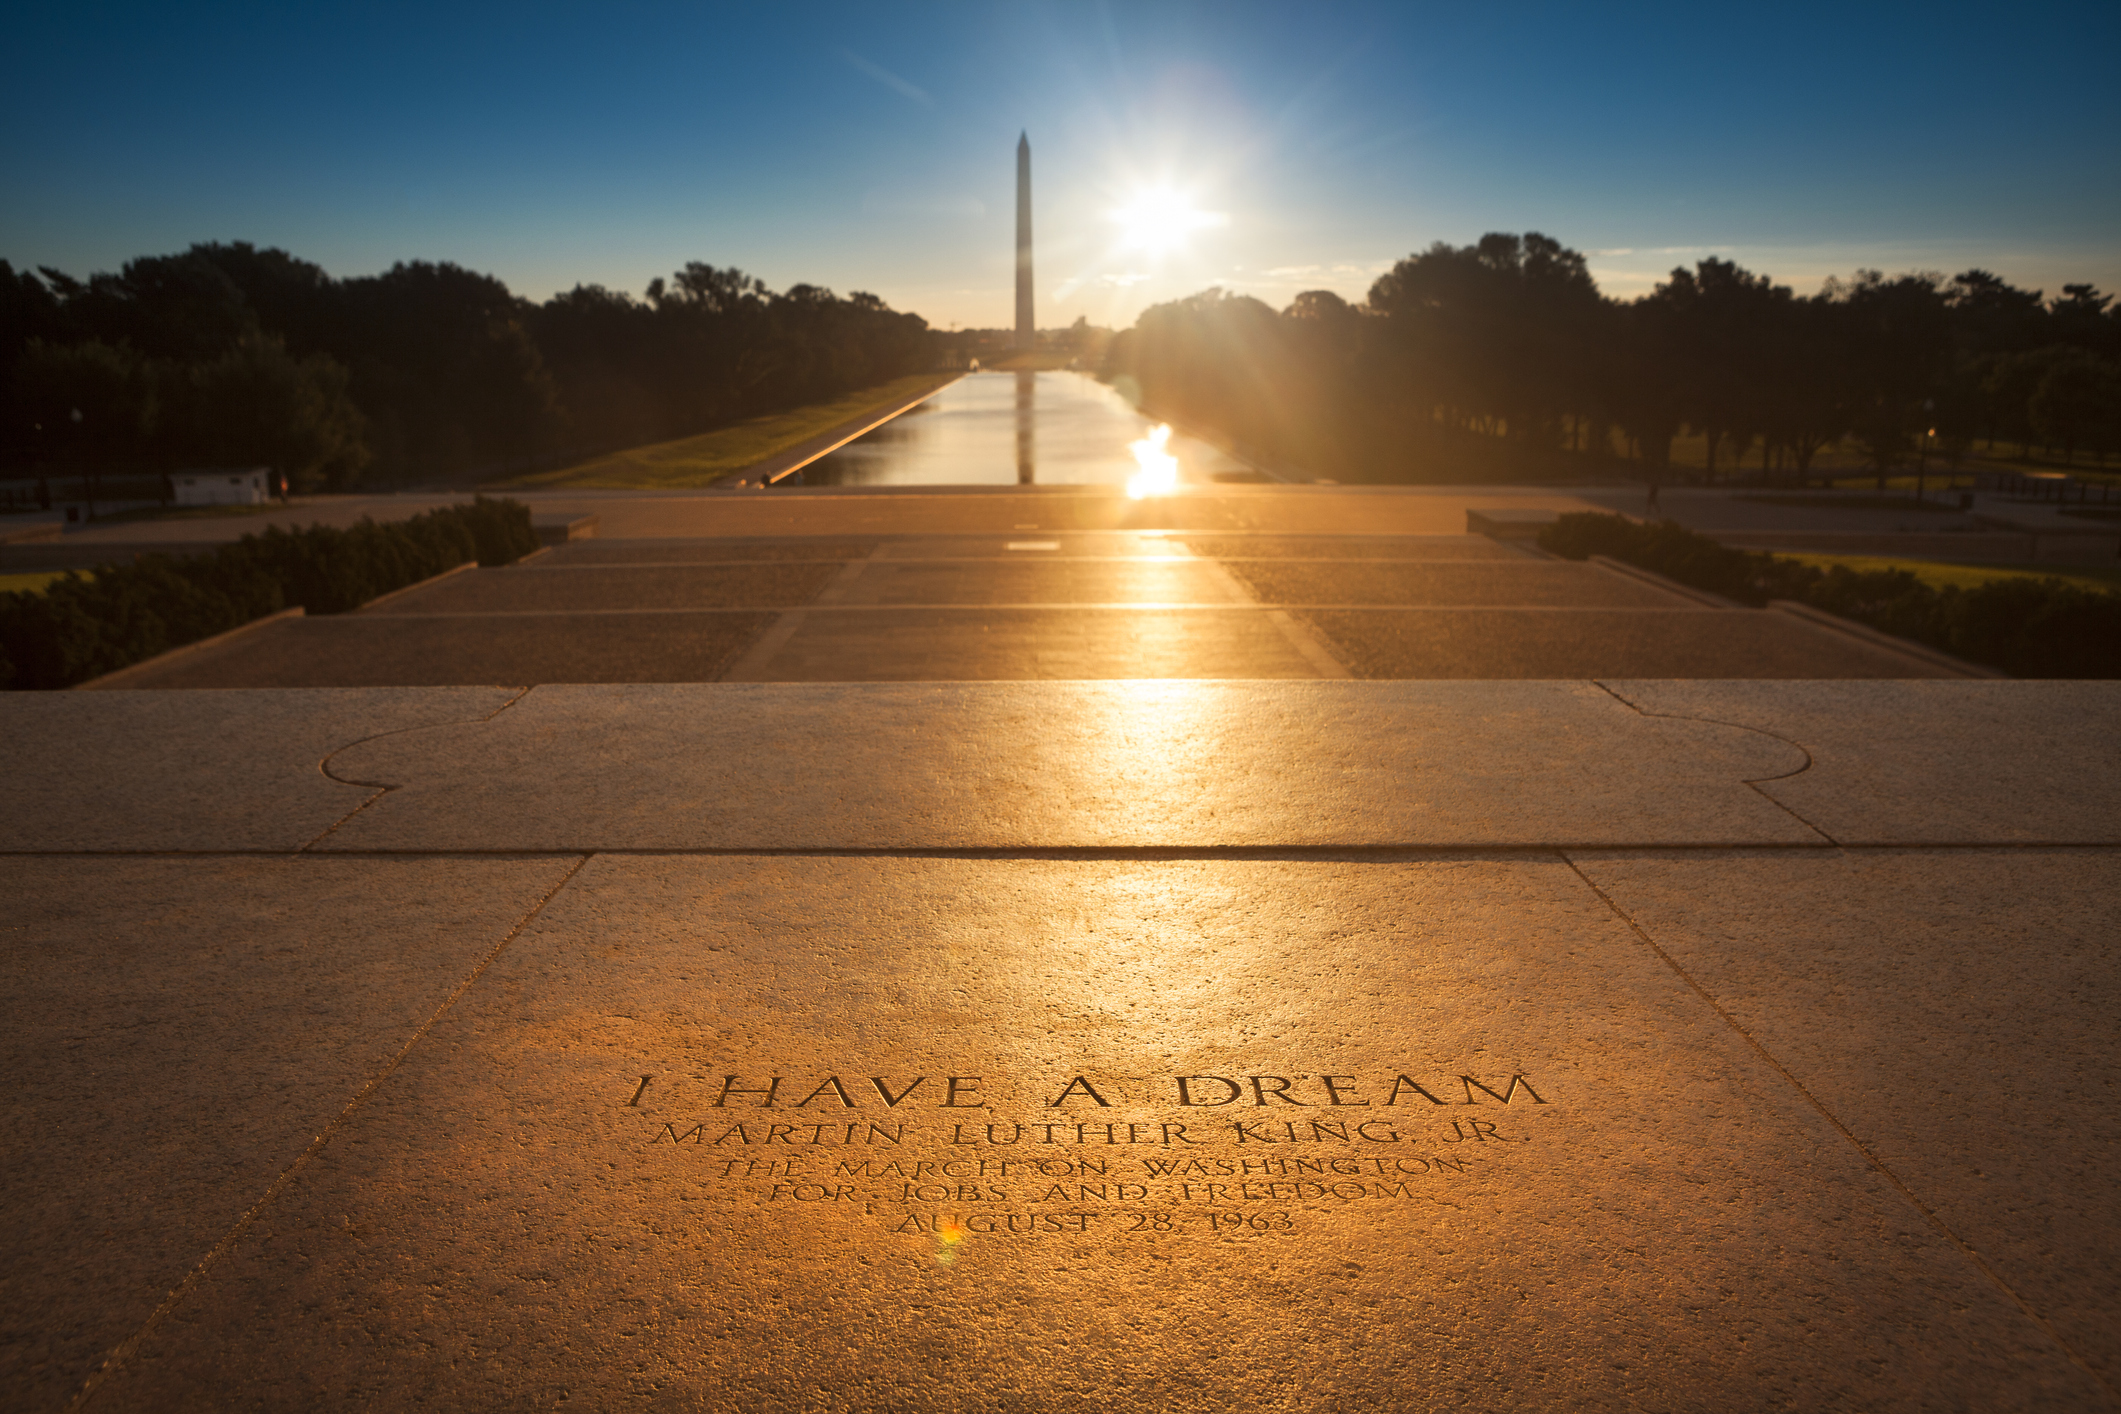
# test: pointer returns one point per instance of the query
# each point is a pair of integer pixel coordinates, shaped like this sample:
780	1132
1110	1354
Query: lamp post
1922	444
88	488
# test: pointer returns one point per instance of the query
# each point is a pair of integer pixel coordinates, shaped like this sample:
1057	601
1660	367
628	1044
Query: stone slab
1956	1012
1508	524
1058	765
128	770
1014	644
1931	762
1070	765
585	553
1031	543
560	527
529	590
1689	642
175	1034
1345	547
1451	584
150	669
649	1162
1057	581
393	650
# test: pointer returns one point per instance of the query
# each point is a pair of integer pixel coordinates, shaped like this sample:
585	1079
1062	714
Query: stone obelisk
1026	324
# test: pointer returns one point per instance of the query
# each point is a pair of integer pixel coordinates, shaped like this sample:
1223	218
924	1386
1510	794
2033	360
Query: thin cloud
888	79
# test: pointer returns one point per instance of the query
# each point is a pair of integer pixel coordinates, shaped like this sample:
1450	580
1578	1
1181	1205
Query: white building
248	486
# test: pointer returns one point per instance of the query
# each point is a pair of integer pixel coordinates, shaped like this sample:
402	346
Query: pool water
1001	429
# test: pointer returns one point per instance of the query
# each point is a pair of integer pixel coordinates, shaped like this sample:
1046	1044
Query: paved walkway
1060	1029
1302	1045
847	602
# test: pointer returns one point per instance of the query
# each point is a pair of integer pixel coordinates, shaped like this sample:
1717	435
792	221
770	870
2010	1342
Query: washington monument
1026	324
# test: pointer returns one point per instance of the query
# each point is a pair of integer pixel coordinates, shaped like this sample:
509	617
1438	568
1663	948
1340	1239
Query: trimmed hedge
2030	628
80	628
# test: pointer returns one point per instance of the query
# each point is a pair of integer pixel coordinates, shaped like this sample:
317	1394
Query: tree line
228	355
1507	347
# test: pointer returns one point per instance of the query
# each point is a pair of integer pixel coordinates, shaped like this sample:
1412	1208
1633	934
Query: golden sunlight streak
1159	469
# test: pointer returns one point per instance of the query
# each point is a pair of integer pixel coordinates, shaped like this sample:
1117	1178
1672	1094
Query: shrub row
82	627
2030	628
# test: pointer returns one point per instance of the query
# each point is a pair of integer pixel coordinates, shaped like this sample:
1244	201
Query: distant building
249	486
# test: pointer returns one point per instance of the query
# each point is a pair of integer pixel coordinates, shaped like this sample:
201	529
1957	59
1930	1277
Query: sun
1161	220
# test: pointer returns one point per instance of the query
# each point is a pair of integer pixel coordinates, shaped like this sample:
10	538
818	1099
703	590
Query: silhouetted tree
1499	335
1720	329
1898	338
1803	399
257	405
426	370
2081	319
89	403
2078	402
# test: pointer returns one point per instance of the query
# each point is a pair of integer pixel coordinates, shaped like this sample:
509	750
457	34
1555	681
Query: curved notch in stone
1931	762
195	771
1154	765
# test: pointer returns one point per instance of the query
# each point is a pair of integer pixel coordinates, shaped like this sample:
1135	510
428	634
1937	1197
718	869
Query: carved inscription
1214	1154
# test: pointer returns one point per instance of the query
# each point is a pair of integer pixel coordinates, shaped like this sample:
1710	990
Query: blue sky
872	147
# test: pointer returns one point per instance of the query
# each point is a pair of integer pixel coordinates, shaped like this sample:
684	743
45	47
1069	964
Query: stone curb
123	675
1904	647
785	464
433	579
1508	522
119	678
559	528
1658	581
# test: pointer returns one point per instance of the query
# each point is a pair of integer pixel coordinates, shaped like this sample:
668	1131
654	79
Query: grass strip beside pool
707	458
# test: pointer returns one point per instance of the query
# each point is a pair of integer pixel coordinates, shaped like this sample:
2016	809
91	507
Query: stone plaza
1027	948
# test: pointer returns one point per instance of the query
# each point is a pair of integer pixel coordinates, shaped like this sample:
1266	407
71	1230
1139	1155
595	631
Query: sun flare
1162	220
1159	469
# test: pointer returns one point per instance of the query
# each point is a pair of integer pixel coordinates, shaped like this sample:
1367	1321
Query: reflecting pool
999	429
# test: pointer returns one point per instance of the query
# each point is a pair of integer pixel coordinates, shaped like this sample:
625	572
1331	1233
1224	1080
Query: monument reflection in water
999	429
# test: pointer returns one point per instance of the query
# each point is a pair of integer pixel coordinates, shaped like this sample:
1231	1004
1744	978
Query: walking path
861	598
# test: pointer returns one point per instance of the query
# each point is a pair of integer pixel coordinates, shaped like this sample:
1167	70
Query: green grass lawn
1933	484
707	458
34	582
1938	574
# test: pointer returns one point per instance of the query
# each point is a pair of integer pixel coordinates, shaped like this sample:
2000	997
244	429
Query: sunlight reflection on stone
1153	741
949	1232
1159	469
